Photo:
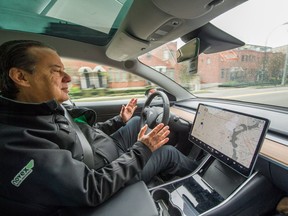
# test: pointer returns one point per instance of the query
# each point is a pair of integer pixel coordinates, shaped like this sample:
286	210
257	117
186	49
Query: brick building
247	64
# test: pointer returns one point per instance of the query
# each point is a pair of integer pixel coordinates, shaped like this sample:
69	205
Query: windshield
255	72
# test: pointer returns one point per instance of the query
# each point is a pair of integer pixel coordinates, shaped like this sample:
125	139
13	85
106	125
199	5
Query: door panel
108	109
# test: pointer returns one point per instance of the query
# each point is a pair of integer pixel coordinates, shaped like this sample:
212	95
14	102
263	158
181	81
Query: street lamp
285	66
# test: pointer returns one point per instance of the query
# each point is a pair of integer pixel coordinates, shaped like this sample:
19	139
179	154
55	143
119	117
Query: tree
275	67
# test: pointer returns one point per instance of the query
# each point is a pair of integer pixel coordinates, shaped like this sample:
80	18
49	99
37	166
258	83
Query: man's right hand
155	138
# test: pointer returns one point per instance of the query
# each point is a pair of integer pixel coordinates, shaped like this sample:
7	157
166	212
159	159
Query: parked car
221	64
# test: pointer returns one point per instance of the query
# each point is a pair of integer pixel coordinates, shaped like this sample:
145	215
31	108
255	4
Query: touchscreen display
232	137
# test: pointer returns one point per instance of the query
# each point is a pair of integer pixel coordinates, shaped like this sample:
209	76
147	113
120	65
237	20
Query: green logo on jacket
23	174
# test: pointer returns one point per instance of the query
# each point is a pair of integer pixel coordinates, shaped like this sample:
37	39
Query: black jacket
41	166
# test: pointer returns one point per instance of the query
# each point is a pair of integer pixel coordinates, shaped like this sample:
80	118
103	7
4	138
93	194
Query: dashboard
214	184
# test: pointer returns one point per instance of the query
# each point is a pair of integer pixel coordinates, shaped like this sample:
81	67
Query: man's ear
19	77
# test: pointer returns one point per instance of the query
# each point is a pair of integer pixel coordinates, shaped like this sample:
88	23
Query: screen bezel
224	158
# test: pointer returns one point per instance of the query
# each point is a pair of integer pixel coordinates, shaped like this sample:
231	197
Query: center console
200	192
215	189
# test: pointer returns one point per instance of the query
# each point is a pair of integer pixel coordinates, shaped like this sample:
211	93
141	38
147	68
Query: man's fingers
156	129
160	130
142	131
164	141
132	102
165	132
132	105
134	108
122	109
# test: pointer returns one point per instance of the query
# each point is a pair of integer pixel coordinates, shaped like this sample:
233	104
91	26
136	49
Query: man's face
48	81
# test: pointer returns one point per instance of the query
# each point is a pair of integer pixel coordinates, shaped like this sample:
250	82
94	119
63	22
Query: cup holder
164	204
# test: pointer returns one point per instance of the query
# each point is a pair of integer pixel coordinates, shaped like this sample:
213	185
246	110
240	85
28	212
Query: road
274	96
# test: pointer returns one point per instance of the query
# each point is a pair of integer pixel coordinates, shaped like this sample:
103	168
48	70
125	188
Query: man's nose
66	78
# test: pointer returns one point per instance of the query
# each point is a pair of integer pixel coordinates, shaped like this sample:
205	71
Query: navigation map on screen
232	137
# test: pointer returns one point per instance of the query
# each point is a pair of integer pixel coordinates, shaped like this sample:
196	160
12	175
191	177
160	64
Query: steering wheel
153	116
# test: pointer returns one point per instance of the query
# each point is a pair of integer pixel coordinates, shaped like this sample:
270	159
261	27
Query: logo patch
23	174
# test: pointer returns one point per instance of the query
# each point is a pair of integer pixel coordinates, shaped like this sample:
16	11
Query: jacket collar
12	106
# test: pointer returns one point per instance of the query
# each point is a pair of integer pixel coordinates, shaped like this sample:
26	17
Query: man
41	156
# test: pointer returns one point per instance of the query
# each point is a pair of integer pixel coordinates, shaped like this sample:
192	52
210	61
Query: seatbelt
87	150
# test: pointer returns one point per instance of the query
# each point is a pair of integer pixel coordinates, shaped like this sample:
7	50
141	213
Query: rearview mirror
190	51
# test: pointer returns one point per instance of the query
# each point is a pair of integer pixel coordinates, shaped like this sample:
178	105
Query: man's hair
16	54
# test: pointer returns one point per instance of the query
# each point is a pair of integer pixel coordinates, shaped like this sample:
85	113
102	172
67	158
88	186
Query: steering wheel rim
153	115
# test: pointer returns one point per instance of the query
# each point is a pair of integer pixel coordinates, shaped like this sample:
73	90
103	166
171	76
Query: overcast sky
257	22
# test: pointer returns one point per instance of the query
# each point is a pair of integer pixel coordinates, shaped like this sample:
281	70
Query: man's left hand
127	111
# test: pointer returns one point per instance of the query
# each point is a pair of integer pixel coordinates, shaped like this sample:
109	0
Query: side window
95	82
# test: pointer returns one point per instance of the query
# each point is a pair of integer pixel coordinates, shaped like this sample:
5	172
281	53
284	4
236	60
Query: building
248	64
